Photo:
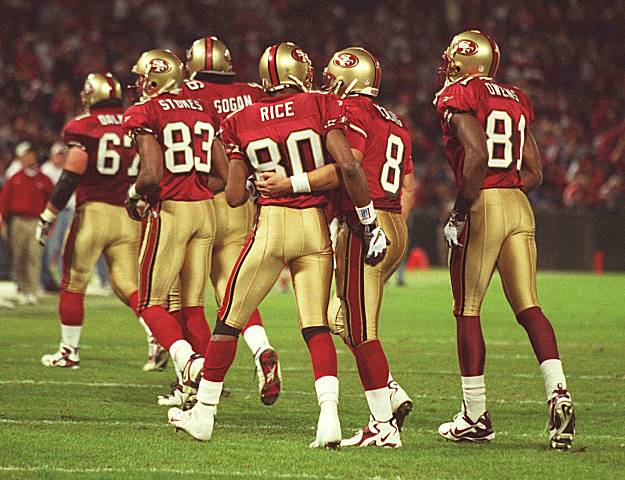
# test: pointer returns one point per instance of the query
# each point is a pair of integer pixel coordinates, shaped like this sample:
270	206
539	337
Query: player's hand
250	186
273	185
42	231
136	208
375	242
454	228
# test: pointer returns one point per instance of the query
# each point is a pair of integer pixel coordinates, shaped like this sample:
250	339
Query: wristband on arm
300	183
48	216
132	192
366	214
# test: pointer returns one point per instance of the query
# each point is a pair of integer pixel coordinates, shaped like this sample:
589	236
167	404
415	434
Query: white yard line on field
175	471
425	397
248	427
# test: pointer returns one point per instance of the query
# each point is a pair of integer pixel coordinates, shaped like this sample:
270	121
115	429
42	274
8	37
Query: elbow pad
64	189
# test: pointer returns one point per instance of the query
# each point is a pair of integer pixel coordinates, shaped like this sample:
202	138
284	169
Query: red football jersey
285	134
387	152
504	111
185	127
226	98
113	163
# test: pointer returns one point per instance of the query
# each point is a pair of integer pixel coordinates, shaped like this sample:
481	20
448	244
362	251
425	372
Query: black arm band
463	205
64	189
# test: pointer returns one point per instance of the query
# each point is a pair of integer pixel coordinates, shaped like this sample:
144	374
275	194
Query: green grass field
102	421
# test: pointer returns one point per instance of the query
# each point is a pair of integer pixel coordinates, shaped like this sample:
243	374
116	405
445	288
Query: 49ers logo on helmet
466	47
345	60
299	55
159	65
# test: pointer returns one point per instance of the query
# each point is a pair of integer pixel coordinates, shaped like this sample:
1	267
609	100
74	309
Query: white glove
454	228
46	220
375	242
250	186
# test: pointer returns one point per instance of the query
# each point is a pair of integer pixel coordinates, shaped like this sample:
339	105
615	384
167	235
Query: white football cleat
66	357
157	356
328	427
463	428
191	376
269	375
197	422
175	397
561	419
401	403
376	434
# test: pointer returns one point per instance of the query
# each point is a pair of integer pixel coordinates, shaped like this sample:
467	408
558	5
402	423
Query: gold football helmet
210	55
99	87
285	65
470	53
158	71
353	70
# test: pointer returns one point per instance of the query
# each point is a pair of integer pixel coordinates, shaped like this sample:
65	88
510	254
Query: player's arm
409	188
219	167
532	171
238	171
150	172
471	135
74	168
322	179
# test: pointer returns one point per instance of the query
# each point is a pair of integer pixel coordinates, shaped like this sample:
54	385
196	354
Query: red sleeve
229	139
459	98
333	111
4	199
137	119
408	167
74	135
357	127
527	103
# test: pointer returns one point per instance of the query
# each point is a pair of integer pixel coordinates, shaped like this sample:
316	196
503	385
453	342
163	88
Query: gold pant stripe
355	295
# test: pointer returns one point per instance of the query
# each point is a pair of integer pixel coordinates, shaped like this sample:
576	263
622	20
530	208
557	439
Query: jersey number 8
499	143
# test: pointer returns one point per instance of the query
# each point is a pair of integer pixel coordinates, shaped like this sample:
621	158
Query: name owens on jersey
226	98
504	111
185	129
112	163
285	134
385	143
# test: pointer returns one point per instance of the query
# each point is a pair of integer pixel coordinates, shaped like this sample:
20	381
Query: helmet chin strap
298	82
350	87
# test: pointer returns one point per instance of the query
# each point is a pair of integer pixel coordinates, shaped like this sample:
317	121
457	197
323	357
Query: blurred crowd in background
569	56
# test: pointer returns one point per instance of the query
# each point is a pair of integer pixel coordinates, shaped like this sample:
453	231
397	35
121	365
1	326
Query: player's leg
517	267
83	246
234	225
471	269
309	251
252	277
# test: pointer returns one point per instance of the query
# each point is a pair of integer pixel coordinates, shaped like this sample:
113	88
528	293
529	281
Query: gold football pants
177	243
499	233
354	313
98	228
282	235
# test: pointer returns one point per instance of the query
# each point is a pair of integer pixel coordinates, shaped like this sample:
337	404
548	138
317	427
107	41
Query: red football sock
372	364
133	302
196	328
471	346
177	314
163	326
540	332
323	355
71	308
255	319
218	358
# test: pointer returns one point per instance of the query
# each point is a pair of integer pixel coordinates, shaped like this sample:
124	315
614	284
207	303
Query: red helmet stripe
273	65
378	75
492	71
109	79
208	54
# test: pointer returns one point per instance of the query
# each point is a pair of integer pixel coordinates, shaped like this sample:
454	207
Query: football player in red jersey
487	139
380	142
100	167
212	78
182	164
286	132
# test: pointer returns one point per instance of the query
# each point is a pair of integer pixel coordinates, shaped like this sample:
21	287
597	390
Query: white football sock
145	327
209	392
70	335
552	375
379	401
474	394
256	338
390	377
181	351
327	389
